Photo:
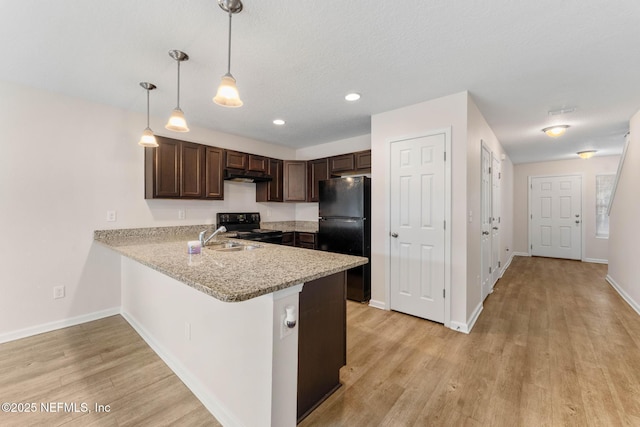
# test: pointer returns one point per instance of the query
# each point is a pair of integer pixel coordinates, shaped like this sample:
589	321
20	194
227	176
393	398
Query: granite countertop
227	276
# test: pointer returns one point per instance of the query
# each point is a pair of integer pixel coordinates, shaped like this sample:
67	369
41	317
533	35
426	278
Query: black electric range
247	226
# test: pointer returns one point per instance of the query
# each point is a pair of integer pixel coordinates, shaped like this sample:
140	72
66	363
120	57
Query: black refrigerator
345	227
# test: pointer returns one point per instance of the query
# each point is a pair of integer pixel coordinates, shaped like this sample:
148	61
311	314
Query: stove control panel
227	219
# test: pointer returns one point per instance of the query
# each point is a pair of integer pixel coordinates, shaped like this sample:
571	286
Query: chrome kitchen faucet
203	241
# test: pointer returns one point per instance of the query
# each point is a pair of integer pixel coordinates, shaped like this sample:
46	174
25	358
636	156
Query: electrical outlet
58	292
182	214
112	216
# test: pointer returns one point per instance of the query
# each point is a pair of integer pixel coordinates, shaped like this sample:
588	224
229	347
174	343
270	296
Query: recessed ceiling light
278	122
352	96
555	131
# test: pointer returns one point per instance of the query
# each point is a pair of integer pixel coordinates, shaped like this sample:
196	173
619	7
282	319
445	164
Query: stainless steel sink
231	247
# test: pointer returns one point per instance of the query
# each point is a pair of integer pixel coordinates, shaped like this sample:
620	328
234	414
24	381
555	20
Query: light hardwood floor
555	345
102	362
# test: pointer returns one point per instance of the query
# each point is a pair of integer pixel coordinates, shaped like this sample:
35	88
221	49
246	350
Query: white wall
478	131
65	162
460	113
624	232
595	249
411	121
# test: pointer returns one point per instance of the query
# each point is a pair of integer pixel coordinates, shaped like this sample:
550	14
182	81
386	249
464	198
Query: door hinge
531	216
499	220
489	171
532	246
499	264
445	156
499	175
443	293
489	270
445	224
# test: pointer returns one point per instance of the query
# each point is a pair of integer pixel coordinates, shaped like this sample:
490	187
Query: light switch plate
112	216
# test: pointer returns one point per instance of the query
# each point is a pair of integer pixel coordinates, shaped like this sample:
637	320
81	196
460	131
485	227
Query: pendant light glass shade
227	94
177	122
148	139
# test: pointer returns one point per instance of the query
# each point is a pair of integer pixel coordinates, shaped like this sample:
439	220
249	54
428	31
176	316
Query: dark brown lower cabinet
322	340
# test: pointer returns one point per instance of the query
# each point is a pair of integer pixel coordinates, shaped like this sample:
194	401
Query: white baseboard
210	402
521	254
378	304
466	327
507	264
596	260
59	324
625	296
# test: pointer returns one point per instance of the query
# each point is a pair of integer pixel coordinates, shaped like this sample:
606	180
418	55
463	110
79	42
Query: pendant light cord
229	56
147	108
178	106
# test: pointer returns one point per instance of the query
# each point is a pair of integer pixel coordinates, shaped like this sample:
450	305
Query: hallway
554	345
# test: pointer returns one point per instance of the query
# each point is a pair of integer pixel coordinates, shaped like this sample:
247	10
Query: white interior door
485	222
556	216
495	220
417	252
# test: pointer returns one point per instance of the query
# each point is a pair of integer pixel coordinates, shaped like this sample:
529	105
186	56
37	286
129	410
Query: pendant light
176	122
148	139
227	94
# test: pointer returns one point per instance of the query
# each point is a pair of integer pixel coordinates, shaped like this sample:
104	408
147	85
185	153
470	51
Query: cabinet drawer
306	237
287	239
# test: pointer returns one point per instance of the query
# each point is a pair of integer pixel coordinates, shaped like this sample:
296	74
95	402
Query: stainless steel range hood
241	175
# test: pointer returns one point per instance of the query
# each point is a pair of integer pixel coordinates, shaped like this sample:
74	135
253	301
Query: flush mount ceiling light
587	154
176	122
227	94
148	139
279	122
555	131
352	96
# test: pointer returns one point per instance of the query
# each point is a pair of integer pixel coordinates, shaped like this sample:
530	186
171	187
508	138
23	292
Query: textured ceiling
296	60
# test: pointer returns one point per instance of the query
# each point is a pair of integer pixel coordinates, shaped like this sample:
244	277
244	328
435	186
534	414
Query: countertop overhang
228	276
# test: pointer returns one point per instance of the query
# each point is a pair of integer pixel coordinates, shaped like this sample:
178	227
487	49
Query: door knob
577	222
495	228
394	235
485	233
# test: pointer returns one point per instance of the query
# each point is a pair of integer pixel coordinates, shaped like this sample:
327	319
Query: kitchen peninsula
217	319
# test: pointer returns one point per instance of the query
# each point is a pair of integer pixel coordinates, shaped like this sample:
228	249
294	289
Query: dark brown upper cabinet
295	180
191	170
271	191
342	163
162	169
235	159
213	173
258	163
363	160
317	170
180	169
